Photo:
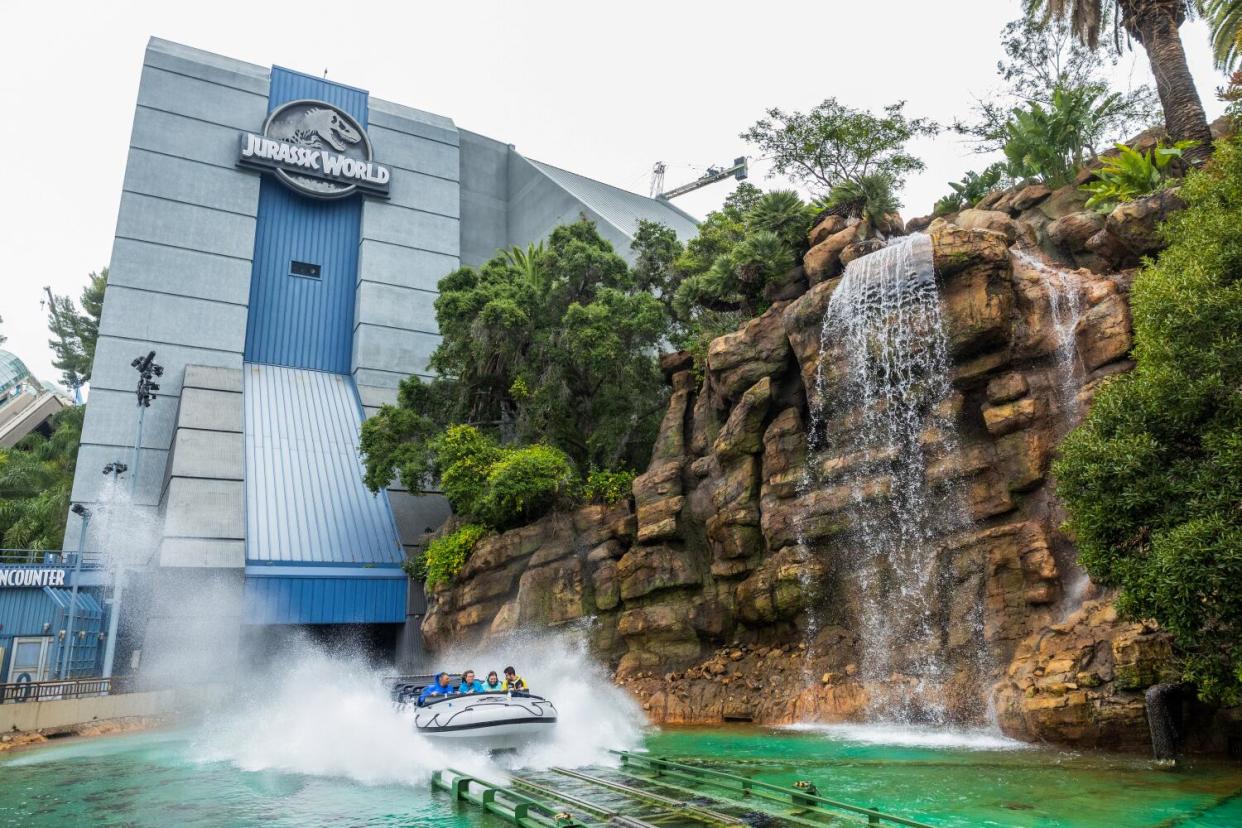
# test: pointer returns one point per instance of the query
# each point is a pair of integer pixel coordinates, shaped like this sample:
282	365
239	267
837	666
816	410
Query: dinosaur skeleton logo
315	149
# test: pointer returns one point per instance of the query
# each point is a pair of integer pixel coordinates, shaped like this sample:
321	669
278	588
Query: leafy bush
36	478
525	483
968	191
782	213
721	275
1051	141
444	557
465	457
608	487
1131	174
1153	479
869	197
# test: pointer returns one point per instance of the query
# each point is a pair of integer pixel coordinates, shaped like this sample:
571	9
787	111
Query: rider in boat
515	682
469	684
493	683
439	688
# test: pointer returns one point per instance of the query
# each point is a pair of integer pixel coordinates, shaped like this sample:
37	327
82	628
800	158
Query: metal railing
44	557
29	691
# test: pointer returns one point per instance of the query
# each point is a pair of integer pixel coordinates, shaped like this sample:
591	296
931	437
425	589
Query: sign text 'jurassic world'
317	150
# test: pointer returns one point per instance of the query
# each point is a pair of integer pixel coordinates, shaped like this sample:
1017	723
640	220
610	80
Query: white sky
603	89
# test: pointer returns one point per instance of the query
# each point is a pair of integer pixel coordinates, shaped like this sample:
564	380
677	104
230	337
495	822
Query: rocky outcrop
715	585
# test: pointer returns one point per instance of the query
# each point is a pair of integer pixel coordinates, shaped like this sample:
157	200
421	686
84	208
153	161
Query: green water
162	779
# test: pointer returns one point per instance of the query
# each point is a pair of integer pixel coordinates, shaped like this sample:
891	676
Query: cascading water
880	421
1065	311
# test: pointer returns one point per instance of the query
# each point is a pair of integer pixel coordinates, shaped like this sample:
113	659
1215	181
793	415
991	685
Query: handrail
30	691
806	797
48	557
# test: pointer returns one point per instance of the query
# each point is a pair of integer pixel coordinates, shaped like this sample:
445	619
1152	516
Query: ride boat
488	720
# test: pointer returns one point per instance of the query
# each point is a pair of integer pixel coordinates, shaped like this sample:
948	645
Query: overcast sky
603	89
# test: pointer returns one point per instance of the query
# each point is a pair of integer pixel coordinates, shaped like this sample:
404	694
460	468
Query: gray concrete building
278	246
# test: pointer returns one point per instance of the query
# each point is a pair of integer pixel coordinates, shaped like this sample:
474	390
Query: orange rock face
715	591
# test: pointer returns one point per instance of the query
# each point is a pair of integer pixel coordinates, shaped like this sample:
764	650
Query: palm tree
1225	19
1154	24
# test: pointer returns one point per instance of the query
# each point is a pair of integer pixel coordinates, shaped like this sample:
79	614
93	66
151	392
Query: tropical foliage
1153	479
1051	141
1154	24
1130	174
36	477
608	487
444	556
1224	17
75	331
1041	57
970	189
834	144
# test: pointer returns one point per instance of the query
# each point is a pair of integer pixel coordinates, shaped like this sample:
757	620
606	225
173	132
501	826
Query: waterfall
1065	312
880	421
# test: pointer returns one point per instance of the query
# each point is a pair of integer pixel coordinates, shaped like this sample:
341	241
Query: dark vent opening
304	269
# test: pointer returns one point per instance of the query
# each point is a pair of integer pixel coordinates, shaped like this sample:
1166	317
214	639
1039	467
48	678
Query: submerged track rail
652	792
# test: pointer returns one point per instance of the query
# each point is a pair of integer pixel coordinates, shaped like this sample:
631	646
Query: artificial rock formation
712	592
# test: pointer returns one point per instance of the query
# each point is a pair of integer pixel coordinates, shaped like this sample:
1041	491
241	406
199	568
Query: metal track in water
651	792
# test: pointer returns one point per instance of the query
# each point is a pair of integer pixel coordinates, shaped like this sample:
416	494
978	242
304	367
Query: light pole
85	515
147	371
118	587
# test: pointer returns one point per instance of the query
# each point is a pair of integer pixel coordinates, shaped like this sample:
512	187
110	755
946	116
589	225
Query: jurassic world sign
317	150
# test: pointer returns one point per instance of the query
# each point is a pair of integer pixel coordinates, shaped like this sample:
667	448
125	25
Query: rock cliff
713	591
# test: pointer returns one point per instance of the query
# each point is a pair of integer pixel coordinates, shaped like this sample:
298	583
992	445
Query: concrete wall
538	205
64	713
179	277
484	197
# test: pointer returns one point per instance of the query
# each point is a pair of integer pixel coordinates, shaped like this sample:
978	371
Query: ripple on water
902	735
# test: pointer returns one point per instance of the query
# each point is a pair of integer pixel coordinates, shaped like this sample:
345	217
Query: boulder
1024	198
647	569
825	228
994	220
675	362
1072	231
918	224
858	249
738	360
1136	223
823	261
743	431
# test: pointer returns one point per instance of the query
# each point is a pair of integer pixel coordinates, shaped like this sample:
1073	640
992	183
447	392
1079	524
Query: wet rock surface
711	591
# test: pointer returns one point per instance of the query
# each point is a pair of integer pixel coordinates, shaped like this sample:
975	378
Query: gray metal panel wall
179	275
305	499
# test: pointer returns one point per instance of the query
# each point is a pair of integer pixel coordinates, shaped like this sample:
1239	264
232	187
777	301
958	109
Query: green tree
556	344
1154	24
834	144
36	478
1041	57
75	330
1052	141
1224	17
1153	479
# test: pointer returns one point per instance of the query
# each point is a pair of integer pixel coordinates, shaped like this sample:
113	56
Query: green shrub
608	487
526	483
1152	480
444	557
869	197
465	456
783	213
1131	174
968	191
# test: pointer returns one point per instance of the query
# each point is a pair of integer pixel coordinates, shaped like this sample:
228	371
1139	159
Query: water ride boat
492	721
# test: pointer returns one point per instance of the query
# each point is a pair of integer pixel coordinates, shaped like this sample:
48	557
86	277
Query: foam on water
330	715
912	736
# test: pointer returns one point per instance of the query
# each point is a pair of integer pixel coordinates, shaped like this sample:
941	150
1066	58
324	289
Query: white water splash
913	736
884	319
328	715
